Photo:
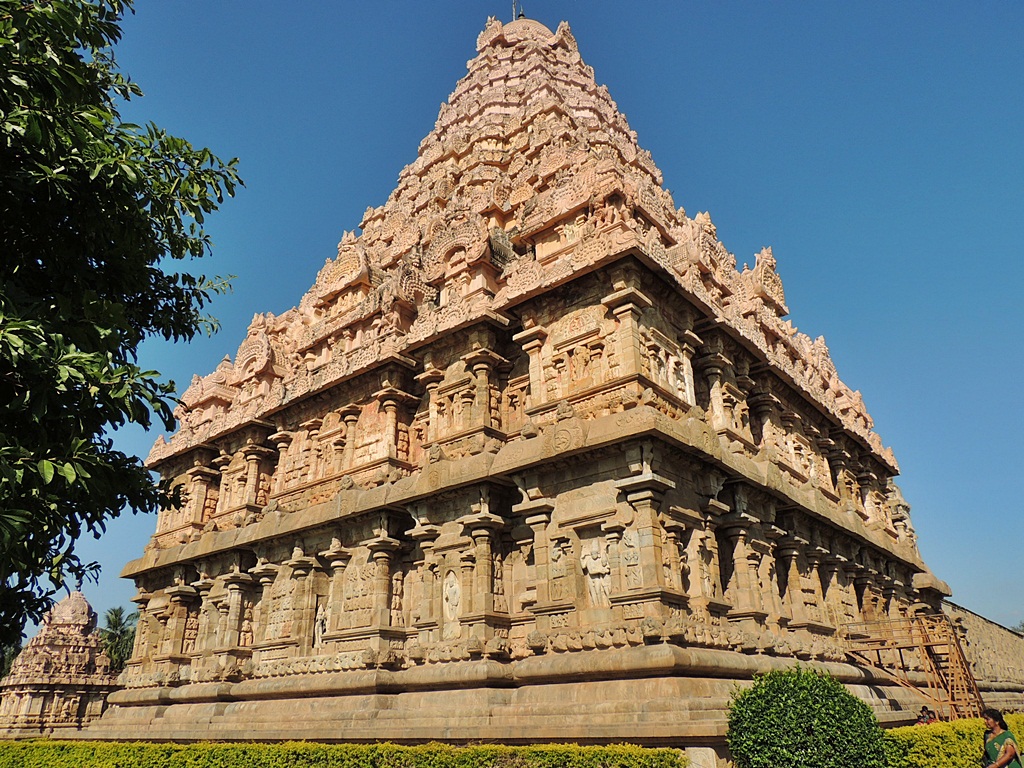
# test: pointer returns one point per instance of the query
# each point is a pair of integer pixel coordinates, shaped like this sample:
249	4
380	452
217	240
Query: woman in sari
1001	750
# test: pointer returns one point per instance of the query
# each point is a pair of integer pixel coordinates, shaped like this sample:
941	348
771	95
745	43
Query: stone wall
996	654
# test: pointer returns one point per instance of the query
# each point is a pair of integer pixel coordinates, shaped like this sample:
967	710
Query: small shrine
61	679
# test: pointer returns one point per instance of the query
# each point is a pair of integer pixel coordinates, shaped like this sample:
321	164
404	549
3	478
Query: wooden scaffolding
926	644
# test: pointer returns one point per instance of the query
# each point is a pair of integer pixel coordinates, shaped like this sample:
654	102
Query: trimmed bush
800	719
942	745
65	754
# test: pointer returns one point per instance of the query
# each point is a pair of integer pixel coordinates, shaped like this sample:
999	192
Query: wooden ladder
928	644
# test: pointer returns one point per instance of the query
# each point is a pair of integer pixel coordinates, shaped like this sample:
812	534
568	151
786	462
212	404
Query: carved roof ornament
527	143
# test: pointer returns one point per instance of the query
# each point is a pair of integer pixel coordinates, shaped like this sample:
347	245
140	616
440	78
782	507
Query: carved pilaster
265	573
236	582
350	415
483	363
382	548
644	493
392	400
337	558
627	304
532	341
304	600
282	440
254	456
201	480
425	535
430	379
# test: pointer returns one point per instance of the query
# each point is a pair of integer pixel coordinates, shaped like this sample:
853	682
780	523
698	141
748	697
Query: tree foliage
799	719
8	653
94	214
118	636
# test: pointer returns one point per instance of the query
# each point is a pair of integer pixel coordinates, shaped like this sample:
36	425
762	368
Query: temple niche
531	437
60	680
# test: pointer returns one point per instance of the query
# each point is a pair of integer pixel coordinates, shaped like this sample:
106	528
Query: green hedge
58	754
941	745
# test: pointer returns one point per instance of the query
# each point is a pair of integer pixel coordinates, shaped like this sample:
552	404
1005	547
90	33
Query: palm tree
118	636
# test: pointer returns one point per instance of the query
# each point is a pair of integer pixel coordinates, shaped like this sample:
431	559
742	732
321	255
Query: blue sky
877	147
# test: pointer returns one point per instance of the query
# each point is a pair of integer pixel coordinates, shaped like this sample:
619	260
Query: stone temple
531	460
60	680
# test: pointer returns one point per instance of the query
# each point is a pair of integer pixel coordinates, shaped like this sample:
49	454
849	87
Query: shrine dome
73	611
526	29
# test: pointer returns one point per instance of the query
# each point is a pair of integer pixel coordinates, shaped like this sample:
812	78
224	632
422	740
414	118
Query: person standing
1001	749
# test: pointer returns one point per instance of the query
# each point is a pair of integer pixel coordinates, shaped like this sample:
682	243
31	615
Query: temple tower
530	438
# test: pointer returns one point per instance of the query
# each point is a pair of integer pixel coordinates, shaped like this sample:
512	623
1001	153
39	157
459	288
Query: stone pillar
141	600
350	413
265	573
712	366
430	379
425	535
673	576
313	449
789	555
283	441
482	526
831	567
201	479
207	634
381	551
254	454
689	342
466	563
707	595
627	304
236	583
224	496
613	539
483	362
303	602
771	575
180	596
532	341
644	493
536	514
391	399
741	591
337	558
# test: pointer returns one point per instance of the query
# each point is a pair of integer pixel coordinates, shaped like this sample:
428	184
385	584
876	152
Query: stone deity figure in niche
599	575
452	597
319	626
397	589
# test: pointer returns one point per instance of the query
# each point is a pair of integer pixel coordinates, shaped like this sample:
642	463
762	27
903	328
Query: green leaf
45	470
